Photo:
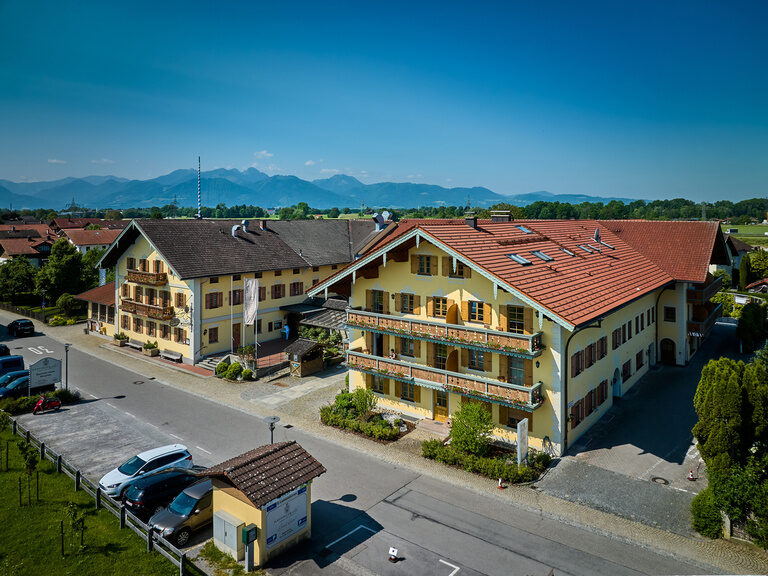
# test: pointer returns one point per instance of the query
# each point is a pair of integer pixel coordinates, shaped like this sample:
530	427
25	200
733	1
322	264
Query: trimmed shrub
706	516
67	304
471	429
221	368
364	402
57	320
344	414
234	371
71	322
247	374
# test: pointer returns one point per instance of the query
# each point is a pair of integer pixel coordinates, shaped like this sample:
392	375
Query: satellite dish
186	309
174	322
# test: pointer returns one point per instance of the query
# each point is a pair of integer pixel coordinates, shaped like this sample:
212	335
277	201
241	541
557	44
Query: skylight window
519	259
523	229
540	254
586	248
568	252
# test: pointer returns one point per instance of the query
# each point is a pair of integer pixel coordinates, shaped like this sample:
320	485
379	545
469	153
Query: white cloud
263	154
449	179
310	163
56	161
329	171
415	176
102	161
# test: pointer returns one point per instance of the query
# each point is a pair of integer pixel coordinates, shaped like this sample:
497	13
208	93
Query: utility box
228	534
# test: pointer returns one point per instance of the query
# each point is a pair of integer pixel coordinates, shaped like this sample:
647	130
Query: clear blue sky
633	99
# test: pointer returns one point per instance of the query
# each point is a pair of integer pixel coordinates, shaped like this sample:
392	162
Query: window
648	316
130	263
589	402
642	322
586	248
476	360
278	291
278	272
236	297
138	325
406	303
637	324
519	259
476	311
406	347
278	324
235	277
214	280
138	293
602	348
523	229
143	265
459	273
629	330
441	356
315	281
165	332
602	392
377	301
334	266
258	326
407	392
125	290
315	268
541	255
639	361
577	413
180	335
181	300
623	333
377	384
257	275
269	326
297	288
670	314
590	355
439	306
515	319
165	298
425	265
213	335
577	363
297	270
125	322
626	370
568	252
262	293
214	300
150	328
151	297
616	338
516	371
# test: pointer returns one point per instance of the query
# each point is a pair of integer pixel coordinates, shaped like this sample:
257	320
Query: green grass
31	542
747	228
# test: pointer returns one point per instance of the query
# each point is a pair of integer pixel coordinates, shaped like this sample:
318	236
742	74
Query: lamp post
66	365
272	420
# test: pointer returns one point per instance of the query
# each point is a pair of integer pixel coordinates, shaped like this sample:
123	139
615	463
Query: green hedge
376	428
494	468
25	404
706	515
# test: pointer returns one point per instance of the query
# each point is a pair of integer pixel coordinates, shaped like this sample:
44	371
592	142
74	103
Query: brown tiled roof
41	229
23	246
757	283
268	472
100	295
739	245
91	237
300	346
68	223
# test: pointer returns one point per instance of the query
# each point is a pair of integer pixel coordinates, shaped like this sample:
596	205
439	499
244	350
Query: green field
31	542
747	229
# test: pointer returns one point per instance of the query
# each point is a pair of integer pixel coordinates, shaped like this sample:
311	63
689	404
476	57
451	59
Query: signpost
44	372
522	441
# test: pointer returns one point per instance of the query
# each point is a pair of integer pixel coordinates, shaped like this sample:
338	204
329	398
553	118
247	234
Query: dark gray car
190	510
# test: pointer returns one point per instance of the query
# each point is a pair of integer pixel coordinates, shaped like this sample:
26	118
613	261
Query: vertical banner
102	276
251	304
522	441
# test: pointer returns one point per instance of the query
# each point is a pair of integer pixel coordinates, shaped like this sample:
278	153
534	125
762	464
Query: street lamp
66	365
272	420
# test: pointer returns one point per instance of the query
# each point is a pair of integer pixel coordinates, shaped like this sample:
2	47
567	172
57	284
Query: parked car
190	510
4	350
15	384
116	482
151	493
11	364
21	327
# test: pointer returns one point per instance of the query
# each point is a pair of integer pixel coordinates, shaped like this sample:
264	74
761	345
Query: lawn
760	229
31	542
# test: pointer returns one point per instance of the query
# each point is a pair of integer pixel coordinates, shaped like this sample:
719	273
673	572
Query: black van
150	494
11	364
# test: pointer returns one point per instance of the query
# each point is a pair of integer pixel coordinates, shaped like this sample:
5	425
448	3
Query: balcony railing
702	293
524	345
702	327
146	310
149	278
516	395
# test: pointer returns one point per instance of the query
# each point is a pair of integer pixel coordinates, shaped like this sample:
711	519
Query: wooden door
440	405
236	332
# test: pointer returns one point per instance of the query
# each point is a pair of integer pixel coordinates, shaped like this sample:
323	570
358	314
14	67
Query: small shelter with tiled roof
305	357
269	489
101	307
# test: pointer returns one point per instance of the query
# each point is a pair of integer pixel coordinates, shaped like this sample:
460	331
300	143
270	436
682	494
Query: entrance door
667	351
378	345
440	399
616	383
236	332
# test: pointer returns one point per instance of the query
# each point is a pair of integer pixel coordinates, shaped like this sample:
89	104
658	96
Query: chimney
262	224
244	224
500	216
471	220
379	220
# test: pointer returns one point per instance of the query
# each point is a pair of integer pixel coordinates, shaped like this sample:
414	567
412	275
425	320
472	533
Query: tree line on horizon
678	208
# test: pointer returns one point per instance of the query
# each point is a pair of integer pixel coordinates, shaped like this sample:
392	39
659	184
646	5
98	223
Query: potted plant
120	339
150	348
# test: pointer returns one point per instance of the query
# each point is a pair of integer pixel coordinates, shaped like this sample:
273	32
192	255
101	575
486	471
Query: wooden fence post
42	451
26	435
61	531
98	498
122	516
15	427
58	464
77	480
150	541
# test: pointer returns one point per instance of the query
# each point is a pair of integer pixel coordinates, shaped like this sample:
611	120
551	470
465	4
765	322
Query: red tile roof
22	246
41	229
100	295
757	283
68	223
92	237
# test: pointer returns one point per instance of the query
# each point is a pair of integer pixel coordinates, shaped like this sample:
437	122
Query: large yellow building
544	320
181	282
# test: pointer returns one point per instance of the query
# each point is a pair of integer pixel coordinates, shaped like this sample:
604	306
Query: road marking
129	414
202	449
112	405
92	396
177	437
153	426
455	568
371	530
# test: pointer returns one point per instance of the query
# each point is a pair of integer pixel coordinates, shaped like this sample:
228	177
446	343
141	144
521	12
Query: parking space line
129	414
92	396
202	449
111	405
174	435
371	530
455	568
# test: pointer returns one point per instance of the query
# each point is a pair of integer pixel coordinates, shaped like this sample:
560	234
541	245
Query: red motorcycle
46	404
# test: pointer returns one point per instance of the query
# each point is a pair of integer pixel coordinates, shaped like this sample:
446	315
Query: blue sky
631	99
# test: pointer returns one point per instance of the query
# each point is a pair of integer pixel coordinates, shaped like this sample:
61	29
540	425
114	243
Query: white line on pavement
111	405
371	530
129	414
92	396
456	568
202	449
174	435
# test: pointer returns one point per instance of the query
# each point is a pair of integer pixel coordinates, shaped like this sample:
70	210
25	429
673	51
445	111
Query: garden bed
353	412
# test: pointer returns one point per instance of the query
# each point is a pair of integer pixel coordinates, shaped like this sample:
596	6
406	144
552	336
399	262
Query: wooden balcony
148	278
703	319
146	310
515	395
702	293
523	345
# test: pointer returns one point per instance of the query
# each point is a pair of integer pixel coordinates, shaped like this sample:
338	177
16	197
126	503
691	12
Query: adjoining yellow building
545	320
181	282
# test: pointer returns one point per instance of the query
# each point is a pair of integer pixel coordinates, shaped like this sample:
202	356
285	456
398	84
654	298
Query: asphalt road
361	507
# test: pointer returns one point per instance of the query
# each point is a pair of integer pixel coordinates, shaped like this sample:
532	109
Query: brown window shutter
487	313
430	306
398	389
465	357
368	381
467	271
574	415
487	362
447	266
430	353
368	342
398	302
386	386
385	344
433	265
465	310
417	348
385	300
574	365
503	366
417	391
503	415
528	372
417	304
368	300
503	322
414	264
528	320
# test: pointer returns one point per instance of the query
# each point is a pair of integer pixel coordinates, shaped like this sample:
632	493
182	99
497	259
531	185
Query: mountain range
232	187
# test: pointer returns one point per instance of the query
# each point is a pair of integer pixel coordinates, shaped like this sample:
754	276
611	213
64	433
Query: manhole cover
137	382
660	480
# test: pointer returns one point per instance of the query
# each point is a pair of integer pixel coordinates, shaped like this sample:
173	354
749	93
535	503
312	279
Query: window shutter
487	313
503	322
528	372
430	306
447	269
368	381
528	320
465	357
417	348
574	415
385	345
487	361
398	302
385	300
574	365
503	415
417	304
503	366
414	264
398	389
430	353
417	389
368	300
465	311
467	271
433	265
386	386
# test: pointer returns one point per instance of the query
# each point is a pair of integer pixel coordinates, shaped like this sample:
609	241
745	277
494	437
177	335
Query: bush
149	345
57	320
247	374
121	336
706	516
233	371
471	429
344	414
71	322
364	402
221	368
67	304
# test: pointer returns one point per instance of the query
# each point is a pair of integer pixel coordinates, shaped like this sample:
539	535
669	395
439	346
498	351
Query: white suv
116	482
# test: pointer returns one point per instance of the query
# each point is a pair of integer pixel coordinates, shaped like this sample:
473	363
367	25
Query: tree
726	278
364	401
333	213
67	304
758	264
113	215
90	274
750	327
744	272
16	277
471	429
62	273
